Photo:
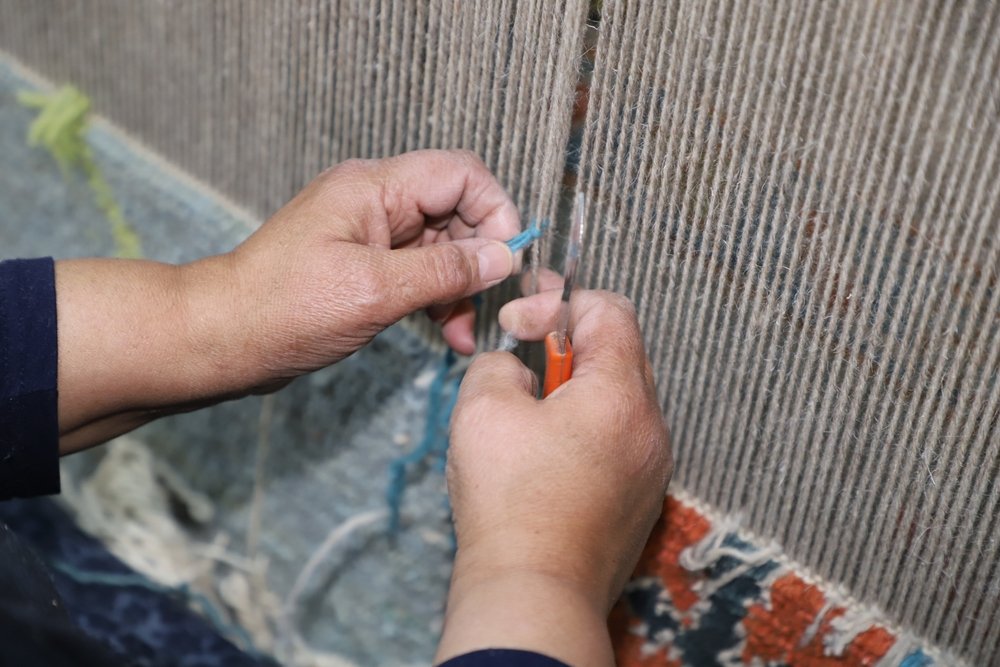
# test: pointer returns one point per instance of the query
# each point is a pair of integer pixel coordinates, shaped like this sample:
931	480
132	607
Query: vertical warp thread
801	197
820	276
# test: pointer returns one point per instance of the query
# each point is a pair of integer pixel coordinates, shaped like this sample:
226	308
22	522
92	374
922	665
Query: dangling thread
440	404
528	236
434	441
508	343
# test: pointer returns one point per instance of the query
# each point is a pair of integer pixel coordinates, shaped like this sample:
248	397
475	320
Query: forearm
139	339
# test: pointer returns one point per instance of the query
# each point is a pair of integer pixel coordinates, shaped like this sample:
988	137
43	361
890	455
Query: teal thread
917	659
434	444
528	236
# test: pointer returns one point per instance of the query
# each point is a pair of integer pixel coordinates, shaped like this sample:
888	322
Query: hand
553	499
364	244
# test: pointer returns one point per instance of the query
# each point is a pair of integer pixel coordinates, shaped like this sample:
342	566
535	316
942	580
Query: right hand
560	491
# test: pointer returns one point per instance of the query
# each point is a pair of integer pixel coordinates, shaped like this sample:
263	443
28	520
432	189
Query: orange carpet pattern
702	596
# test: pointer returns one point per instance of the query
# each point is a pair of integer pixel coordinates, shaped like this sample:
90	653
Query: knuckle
487	365
628	406
393	195
629	410
647	372
354	167
468	157
614	308
369	286
481	364
477	403
612	318
622	306
484	384
609	412
644	429
529	379
451	267
621	314
661	456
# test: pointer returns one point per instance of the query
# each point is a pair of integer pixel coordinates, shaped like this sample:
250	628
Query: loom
800	196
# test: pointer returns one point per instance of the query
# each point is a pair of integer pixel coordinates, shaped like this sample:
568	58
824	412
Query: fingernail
496	262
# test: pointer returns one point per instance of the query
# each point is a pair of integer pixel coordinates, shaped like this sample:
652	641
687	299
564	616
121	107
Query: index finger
454	186
603	328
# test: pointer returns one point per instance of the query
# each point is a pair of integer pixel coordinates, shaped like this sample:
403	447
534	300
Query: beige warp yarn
800	195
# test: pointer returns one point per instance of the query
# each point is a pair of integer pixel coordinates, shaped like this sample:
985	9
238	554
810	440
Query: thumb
495	381
442	273
499	373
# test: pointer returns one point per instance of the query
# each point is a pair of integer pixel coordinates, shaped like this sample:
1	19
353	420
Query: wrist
139	339
561	550
125	347
223	359
524	609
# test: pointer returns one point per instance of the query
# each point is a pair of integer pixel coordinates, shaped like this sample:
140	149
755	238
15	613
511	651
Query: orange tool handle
558	365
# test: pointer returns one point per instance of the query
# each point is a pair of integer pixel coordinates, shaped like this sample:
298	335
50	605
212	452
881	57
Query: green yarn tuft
60	128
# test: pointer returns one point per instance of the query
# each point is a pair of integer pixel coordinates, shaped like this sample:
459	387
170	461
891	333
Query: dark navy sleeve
502	657
29	420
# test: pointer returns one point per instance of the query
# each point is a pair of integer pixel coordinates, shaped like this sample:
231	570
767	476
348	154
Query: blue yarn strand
917	659
435	438
528	236
442	396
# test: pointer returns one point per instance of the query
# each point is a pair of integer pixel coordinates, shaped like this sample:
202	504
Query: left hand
364	244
